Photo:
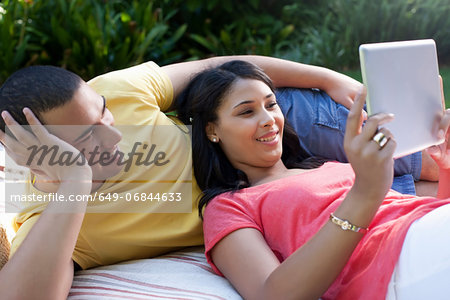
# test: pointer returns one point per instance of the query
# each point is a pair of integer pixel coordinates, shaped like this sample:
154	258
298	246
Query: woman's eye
246	112
272	104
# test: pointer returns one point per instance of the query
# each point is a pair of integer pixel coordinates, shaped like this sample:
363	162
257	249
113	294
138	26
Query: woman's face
249	125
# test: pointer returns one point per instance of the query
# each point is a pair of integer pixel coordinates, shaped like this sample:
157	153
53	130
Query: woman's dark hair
40	88
197	105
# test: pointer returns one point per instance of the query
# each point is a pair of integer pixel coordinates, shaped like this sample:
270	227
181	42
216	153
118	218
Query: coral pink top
289	211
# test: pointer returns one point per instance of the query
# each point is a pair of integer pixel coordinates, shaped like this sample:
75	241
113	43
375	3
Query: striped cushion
178	275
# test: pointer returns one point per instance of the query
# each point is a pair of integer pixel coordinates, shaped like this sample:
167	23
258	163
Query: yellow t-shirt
124	230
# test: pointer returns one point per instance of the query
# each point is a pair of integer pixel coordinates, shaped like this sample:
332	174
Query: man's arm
284	73
42	266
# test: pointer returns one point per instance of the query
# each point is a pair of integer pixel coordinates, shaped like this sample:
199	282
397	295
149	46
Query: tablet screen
403	78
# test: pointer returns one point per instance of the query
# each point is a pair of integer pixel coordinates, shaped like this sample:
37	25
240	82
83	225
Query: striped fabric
178	275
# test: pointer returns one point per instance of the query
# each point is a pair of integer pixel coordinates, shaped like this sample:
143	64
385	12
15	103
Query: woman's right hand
20	150
372	163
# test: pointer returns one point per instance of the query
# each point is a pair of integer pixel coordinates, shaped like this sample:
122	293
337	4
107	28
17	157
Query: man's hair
40	88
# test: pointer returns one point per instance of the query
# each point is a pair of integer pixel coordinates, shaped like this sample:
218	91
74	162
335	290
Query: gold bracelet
346	225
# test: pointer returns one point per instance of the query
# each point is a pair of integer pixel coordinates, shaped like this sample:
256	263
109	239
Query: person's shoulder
130	73
225	200
145	84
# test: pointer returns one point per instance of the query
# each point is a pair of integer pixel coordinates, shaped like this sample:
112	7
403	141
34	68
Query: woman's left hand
441	153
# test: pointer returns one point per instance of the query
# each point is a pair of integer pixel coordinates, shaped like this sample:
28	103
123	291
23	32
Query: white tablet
403	78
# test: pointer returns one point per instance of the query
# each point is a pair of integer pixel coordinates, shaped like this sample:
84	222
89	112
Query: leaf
204	42
125	18
226	39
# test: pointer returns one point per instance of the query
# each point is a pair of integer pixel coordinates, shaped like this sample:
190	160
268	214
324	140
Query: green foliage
232	27
13	41
349	23
91	37
252	35
88	37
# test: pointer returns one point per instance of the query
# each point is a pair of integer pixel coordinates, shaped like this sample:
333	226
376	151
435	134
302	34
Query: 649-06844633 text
101	197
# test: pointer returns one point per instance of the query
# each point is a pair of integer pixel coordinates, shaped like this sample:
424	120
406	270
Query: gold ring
380	139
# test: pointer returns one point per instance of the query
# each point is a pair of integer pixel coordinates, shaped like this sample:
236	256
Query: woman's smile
269	138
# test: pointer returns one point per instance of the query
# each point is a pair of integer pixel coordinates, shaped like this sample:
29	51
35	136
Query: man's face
96	135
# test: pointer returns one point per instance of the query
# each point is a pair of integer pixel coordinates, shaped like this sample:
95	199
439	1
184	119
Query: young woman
280	225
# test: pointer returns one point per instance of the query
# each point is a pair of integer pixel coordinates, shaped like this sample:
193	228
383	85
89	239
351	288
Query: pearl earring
215	139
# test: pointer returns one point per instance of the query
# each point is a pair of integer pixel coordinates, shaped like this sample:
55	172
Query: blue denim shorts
320	125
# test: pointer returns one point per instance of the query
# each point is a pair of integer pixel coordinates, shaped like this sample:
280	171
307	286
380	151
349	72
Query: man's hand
18	148
342	89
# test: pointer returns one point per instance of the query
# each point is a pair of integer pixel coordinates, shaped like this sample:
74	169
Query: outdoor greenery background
91	37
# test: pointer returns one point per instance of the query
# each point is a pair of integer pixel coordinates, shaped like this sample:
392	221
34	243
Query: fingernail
364	114
4	115
388	118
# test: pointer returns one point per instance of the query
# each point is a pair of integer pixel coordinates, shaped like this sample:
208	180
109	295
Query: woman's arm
247	262
283	73
42	266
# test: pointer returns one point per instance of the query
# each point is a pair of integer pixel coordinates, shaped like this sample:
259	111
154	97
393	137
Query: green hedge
88	37
91	37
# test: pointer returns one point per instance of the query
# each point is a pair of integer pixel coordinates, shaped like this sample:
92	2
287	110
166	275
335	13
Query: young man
50	242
